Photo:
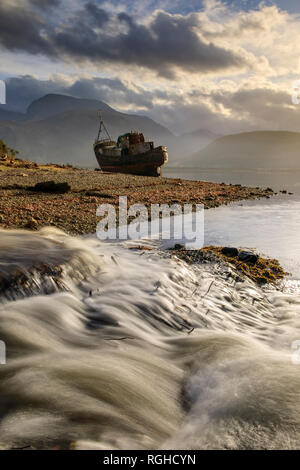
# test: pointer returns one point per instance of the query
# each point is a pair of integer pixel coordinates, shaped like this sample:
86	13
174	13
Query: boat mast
102	126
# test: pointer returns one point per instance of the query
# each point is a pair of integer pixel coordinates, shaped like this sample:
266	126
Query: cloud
216	68
232	108
45	4
264	107
21	91
21	29
163	43
166	42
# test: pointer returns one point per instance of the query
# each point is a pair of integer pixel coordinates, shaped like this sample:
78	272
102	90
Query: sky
224	66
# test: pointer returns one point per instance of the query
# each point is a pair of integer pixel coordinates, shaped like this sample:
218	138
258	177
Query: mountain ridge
248	150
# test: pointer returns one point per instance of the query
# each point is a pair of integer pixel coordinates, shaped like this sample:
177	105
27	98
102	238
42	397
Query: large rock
230	251
51	187
248	257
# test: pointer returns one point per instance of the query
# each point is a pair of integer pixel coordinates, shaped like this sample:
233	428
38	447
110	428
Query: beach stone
178	246
31	224
230	251
248	257
51	187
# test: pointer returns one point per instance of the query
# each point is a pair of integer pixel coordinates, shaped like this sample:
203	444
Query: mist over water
134	350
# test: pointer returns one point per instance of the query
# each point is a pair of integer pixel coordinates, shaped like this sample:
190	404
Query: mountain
62	129
52	104
249	150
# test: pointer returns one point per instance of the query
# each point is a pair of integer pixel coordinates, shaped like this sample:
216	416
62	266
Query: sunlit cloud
219	65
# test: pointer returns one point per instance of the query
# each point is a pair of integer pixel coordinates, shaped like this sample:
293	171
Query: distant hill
62	129
260	149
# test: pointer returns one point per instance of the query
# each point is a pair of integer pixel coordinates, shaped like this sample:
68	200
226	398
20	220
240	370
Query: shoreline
75	211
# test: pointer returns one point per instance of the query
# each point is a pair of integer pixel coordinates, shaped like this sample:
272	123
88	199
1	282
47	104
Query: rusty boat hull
147	163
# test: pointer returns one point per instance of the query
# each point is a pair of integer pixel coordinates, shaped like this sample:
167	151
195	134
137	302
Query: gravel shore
75	211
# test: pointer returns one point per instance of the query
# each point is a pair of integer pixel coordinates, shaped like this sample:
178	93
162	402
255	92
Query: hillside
62	129
261	149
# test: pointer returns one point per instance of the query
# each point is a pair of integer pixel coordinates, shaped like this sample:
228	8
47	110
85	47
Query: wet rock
230	251
51	187
178	246
247	257
31	224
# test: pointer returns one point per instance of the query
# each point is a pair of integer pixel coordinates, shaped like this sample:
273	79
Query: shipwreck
129	154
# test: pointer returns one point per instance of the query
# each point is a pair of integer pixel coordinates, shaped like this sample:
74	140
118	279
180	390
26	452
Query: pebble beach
75	211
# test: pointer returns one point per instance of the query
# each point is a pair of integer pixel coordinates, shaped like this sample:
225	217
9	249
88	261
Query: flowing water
129	349
134	350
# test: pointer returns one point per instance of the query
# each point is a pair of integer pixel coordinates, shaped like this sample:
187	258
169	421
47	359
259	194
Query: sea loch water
271	226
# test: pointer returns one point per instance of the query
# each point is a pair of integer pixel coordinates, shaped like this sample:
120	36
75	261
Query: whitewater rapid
134	350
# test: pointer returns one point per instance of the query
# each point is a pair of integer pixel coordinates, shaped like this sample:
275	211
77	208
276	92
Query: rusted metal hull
147	163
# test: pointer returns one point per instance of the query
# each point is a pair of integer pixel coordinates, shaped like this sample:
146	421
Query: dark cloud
21	91
45	4
166	42
96	16
22	30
